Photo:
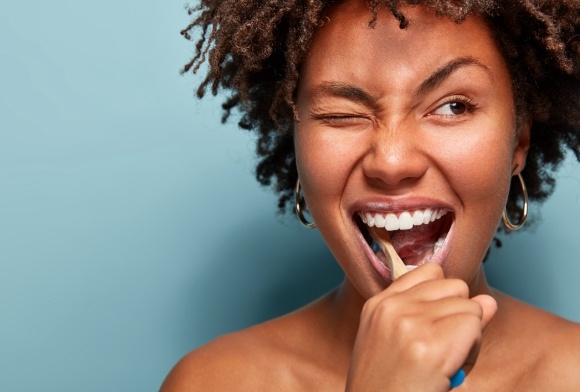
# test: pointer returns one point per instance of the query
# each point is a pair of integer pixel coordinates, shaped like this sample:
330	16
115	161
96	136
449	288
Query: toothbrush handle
457	378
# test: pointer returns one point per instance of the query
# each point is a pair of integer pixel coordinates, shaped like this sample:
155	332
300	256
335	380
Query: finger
433	290
425	272
452	306
464	350
424	291
489	307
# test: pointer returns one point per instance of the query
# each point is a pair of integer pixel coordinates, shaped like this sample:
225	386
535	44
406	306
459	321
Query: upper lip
390	205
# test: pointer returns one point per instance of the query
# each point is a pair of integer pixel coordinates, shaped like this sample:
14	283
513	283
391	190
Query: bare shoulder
562	359
227	363
281	354
549	345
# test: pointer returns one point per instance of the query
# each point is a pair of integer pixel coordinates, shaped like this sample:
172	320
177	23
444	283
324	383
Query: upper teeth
405	221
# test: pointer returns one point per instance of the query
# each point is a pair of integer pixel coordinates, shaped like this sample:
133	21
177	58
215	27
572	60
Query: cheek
324	161
478	170
478	163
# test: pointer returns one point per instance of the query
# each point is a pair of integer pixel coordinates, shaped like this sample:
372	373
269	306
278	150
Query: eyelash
470	106
336	118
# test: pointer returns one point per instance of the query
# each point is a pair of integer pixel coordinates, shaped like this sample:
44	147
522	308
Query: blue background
131	229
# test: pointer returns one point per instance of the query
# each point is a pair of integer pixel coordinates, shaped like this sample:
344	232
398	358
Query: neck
343	308
478	284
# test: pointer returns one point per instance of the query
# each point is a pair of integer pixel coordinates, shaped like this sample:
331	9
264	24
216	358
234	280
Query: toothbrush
398	269
396	265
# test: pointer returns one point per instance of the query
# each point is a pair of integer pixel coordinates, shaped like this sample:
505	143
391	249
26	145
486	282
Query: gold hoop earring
504	217
299	203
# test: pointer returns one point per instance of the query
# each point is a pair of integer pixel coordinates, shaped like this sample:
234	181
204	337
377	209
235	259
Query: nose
395	158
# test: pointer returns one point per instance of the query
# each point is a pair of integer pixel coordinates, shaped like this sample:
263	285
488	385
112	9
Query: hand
417	333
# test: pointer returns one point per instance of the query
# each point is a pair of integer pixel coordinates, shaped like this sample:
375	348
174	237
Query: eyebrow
441	74
356	94
343	90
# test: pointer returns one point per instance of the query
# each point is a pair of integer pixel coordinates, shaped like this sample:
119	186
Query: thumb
489	306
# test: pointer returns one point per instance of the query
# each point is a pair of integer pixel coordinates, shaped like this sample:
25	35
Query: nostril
394	167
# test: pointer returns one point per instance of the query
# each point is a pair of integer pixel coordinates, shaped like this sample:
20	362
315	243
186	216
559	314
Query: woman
411	120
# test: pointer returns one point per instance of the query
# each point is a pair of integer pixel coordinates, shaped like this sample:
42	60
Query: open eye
455	106
451	109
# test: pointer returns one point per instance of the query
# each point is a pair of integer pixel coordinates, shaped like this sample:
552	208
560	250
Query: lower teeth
436	247
439	244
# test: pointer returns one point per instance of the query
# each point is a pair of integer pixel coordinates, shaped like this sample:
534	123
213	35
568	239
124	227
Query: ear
522	145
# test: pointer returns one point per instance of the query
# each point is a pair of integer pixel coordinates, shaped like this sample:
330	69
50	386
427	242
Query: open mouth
417	236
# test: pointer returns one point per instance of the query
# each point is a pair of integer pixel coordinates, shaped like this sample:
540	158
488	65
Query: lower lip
385	272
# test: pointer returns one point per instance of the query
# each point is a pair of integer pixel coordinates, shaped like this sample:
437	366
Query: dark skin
279	354
404	145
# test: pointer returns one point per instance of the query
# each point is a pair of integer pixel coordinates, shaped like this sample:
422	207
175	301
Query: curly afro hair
255	49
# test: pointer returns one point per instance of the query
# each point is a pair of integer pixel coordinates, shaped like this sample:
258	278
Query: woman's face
399	127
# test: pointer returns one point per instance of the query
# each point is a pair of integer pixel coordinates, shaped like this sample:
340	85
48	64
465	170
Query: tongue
416	240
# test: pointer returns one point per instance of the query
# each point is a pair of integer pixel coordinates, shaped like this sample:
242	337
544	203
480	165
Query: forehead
346	49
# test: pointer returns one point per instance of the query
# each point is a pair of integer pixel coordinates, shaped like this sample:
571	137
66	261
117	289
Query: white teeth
391	222
439	244
405	221
417	218
379	220
427	215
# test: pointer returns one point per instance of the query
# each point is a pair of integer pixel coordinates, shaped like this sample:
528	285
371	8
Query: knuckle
370	305
433	270
459	287
419	351
385	308
406	326
380	311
